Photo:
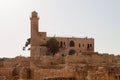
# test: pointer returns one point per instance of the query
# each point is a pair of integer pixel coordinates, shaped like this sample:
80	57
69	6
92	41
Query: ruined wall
41	74
47	61
93	59
76	67
17	62
1	63
6	71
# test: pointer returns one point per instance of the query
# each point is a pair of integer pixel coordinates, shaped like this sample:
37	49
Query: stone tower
34	27
37	38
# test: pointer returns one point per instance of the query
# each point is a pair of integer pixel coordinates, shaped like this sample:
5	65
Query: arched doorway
72	52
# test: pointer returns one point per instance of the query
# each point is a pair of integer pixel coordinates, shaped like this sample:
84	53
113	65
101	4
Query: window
72	44
64	44
83	45
61	44
90	45
79	44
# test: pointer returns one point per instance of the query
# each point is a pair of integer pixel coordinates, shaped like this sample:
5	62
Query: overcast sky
99	19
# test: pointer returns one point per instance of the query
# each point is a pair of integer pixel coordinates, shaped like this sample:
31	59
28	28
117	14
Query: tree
27	44
52	46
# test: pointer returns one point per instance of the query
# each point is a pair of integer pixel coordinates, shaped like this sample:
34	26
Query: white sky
99	19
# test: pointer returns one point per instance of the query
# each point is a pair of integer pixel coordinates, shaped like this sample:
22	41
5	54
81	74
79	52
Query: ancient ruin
83	64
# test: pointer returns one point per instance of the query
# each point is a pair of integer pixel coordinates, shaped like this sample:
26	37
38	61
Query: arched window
90	45
61	44
64	44
79	45
83	45
72	44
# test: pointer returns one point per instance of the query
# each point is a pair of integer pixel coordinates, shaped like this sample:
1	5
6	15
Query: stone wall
93	59
6	72
38	51
17	62
76	67
1	63
42	74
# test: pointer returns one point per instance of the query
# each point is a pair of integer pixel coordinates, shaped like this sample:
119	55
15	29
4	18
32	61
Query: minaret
34	27
37	38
